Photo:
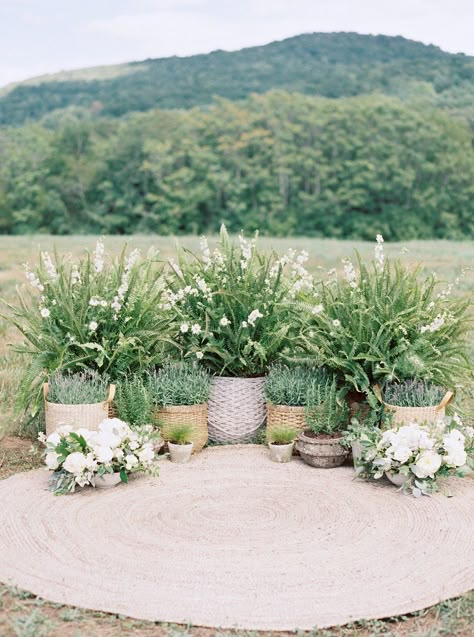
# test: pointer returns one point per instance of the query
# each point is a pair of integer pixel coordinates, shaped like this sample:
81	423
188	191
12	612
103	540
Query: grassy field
23	615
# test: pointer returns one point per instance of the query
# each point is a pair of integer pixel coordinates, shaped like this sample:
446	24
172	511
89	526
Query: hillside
324	64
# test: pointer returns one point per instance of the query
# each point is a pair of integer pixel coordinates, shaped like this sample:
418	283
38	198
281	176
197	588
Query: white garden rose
103	454
402	454
91	462
425	441
106	439
51	460
456	457
75	463
427	464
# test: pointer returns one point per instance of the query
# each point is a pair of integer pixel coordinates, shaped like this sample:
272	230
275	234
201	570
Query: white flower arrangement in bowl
415	455
80	457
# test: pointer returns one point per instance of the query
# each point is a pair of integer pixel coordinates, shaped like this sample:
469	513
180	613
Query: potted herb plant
79	457
236	313
180	444
286	389
415	400
83	397
326	418
180	392
281	440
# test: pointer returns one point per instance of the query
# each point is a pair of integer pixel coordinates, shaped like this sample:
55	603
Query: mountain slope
326	64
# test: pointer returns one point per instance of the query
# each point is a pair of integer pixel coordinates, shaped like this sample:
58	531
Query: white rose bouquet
77	456
421	453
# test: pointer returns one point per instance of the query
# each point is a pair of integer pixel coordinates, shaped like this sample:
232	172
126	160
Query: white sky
45	36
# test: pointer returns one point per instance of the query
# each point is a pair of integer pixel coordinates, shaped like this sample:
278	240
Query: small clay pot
180	453
321	452
281	453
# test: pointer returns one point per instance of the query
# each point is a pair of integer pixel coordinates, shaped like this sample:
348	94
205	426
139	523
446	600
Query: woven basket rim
101	403
291	408
435	407
197	407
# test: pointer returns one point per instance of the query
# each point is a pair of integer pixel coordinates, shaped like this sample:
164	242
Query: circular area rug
234	540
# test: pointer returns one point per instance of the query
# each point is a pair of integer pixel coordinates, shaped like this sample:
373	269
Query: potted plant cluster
281	440
79	457
236	312
286	389
415	400
320	444
180	393
76	397
415	456
180	442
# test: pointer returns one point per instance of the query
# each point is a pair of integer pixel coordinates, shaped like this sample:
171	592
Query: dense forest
388	148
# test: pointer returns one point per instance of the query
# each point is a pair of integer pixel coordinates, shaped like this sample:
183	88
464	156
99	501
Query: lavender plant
288	385
413	393
85	387
99	313
179	383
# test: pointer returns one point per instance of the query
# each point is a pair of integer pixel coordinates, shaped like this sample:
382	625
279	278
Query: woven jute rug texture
234	540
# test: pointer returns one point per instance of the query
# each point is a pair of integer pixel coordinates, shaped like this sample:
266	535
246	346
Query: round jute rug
234	540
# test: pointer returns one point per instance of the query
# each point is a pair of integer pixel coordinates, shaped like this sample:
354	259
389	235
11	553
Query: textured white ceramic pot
180	453
398	479
107	481
281	453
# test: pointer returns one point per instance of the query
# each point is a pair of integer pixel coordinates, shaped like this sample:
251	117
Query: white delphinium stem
50	267
99	256
379	253
350	273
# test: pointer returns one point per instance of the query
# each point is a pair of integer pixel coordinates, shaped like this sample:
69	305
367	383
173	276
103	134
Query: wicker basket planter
237	409
88	416
193	415
419	414
285	416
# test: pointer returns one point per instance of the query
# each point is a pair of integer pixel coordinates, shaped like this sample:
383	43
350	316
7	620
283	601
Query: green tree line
287	164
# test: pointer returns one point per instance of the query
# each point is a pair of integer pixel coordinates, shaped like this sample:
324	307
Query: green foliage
100	314
179	383
133	401
413	393
288	385
236	307
281	435
327	64
326	409
285	164
386	321
180	434
86	387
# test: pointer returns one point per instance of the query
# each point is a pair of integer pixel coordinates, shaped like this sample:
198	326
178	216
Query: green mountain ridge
330	65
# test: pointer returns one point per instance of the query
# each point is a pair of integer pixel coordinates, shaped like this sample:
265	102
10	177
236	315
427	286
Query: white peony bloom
103	454
106	439
75	463
427	464
456	457
51	460
196	328
45	312
91	462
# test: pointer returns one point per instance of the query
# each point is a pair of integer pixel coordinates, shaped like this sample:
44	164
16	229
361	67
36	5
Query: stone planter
180	453
108	480
324	453
281	453
398	479
237	409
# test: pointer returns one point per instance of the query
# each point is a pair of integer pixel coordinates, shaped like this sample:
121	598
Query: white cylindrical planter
180	453
237	409
281	453
107	481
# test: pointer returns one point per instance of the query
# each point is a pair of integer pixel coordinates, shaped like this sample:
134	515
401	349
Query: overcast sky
45	36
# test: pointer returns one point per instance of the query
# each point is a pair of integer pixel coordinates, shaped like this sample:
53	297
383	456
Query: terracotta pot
281	453
320	452
398	479
180	453
107	481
